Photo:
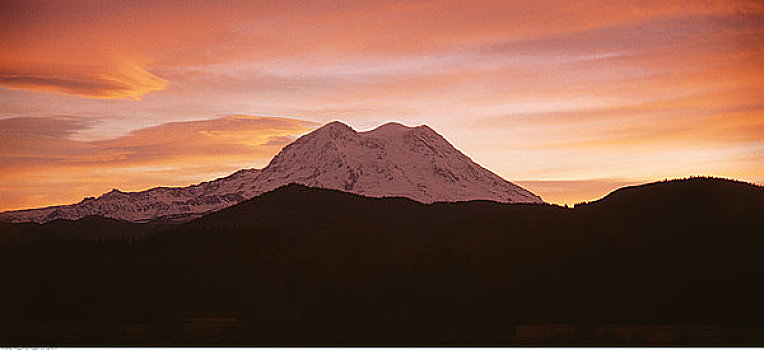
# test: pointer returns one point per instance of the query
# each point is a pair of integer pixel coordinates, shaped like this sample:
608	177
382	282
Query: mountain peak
396	129
114	193
336	126
332	130
400	127
393	125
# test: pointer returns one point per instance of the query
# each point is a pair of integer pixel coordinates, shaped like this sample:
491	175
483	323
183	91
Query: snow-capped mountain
391	160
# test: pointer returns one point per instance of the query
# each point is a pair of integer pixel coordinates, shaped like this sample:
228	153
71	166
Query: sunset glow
570	99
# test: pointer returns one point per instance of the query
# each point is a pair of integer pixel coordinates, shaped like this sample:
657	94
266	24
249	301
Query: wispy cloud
128	81
41	164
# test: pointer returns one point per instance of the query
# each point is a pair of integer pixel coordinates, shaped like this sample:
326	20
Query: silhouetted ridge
88	228
693	195
296	204
310	266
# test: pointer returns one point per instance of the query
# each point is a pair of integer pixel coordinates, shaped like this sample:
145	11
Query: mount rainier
392	160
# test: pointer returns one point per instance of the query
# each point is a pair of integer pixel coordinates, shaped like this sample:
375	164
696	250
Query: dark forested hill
87	228
309	266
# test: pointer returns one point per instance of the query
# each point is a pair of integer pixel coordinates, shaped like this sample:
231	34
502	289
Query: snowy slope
160	203
391	160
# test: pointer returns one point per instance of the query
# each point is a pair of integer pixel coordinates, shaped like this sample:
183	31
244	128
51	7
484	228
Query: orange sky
570	99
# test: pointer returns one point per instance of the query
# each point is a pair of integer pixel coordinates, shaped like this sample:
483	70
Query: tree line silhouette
306	266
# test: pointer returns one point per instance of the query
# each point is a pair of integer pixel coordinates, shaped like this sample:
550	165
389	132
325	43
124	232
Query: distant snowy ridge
160	203
392	160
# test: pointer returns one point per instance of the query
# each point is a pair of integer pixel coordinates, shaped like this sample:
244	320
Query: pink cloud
42	164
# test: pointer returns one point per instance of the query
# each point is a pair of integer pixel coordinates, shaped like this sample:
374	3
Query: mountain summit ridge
392	160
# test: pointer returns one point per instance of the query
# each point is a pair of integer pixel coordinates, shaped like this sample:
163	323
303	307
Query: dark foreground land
676	262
